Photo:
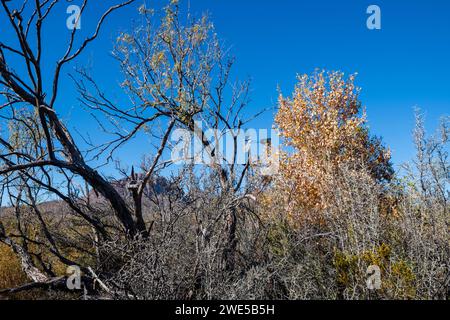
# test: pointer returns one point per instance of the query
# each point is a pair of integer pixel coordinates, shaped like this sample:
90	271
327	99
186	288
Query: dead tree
35	144
26	90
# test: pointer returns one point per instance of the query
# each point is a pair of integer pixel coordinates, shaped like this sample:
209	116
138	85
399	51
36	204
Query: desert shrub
330	260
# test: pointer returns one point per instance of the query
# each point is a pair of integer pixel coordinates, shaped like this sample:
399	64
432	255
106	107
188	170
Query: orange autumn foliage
323	126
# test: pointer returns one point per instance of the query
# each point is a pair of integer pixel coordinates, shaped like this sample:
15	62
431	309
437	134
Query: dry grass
11	274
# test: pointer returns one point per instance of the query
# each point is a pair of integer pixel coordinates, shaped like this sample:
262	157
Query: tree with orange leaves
323	126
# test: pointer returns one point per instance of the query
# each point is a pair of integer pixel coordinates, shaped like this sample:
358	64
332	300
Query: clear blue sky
405	64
